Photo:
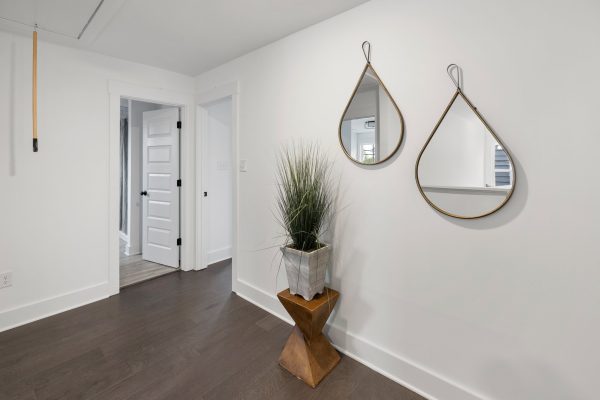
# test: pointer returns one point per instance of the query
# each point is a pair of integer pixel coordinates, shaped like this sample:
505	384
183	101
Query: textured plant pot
306	271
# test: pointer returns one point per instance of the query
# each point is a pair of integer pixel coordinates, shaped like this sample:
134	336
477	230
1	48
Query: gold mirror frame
457	83
367	52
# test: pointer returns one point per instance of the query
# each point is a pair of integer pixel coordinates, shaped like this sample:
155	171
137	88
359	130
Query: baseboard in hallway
181	336
218	255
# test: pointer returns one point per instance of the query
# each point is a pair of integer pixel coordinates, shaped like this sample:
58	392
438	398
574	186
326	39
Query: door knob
144	193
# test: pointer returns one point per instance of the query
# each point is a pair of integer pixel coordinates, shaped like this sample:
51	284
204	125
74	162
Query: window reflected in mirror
371	127
464	171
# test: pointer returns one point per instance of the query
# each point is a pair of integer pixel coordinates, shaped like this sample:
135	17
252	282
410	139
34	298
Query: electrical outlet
5	279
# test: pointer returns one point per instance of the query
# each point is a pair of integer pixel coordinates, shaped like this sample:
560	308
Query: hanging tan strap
34	93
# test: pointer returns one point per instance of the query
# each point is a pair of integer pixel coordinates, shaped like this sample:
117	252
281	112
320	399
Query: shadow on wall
526	380
337	271
504	215
12	163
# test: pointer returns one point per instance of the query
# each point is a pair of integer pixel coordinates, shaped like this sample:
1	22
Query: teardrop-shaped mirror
464	170
372	127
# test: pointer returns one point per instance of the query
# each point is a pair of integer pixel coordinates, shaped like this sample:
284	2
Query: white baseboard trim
219	255
397	368
131	251
31	312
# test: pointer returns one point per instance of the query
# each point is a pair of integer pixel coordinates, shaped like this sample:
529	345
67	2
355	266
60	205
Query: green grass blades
304	194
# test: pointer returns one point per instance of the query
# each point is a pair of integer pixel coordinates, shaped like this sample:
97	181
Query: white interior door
160	193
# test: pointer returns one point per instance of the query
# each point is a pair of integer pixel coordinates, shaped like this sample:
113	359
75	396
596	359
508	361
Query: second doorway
217	180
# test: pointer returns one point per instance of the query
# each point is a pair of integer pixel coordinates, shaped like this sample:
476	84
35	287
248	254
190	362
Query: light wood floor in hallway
134	269
182	336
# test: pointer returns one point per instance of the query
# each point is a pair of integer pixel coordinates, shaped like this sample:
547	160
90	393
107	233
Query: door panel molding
160	207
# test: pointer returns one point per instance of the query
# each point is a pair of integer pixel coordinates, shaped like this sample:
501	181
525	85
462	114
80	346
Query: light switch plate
244	165
5	279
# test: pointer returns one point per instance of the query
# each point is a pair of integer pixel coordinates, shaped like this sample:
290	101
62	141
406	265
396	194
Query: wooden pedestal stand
308	354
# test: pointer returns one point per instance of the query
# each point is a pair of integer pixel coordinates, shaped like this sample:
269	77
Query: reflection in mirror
371	128
463	170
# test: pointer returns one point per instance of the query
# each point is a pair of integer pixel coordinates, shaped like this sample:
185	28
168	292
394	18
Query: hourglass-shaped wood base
308	354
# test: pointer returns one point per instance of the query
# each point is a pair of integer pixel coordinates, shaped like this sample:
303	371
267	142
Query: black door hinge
178	124
179	182
178	241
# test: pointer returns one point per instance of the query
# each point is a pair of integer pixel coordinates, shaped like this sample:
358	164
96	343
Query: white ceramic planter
306	271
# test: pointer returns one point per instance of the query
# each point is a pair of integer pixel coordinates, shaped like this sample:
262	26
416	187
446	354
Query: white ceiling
50	14
187	36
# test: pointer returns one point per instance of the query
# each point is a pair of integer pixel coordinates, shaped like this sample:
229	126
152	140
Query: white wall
55	203
427	299
219	180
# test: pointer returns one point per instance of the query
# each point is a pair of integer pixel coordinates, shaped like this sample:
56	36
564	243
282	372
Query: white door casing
217	168
160	205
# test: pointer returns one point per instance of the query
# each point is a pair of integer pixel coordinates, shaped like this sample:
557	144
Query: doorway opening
217	191
149	201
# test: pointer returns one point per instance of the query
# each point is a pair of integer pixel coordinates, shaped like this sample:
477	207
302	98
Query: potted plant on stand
304	206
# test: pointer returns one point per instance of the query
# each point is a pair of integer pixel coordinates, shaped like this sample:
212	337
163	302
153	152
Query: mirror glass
371	128
464	171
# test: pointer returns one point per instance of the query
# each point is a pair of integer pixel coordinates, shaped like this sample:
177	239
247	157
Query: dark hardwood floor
180	336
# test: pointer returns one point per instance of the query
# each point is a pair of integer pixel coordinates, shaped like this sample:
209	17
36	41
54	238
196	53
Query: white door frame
217	93
186	103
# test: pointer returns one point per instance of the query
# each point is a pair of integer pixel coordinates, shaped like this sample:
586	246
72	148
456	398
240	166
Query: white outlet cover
5	279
